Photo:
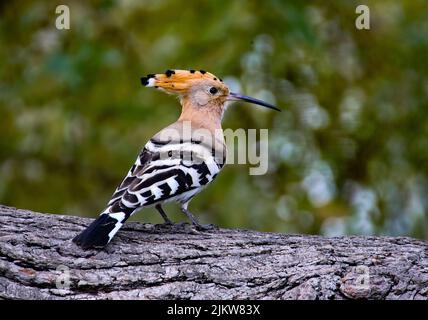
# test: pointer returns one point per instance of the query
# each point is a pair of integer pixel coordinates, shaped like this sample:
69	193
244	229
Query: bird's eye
213	90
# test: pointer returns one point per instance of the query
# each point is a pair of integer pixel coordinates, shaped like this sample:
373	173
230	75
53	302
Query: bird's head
198	89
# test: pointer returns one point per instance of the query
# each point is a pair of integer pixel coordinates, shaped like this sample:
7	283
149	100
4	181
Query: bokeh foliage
348	154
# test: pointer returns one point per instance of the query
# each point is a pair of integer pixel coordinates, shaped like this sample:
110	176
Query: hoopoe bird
176	163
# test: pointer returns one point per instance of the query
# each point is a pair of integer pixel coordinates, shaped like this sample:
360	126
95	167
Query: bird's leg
163	214
195	222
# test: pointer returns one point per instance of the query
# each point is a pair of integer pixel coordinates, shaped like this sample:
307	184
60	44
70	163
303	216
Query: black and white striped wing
164	172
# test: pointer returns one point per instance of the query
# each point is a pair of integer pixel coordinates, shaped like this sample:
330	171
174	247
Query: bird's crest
179	81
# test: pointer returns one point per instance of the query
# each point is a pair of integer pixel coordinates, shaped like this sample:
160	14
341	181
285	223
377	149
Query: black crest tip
144	81
169	73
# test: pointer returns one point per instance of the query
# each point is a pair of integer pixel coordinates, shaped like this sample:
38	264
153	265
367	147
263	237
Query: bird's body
176	163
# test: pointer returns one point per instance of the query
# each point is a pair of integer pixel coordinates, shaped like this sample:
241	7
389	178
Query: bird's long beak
236	97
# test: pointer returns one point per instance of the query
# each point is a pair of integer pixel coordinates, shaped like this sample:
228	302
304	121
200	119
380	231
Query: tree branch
145	261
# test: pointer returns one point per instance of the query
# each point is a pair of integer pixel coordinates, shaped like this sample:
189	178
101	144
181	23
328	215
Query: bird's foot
195	222
205	227
166	225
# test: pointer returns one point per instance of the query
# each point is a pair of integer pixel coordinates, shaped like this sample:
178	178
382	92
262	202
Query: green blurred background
348	154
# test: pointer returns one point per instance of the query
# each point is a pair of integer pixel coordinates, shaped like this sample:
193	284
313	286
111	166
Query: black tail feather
96	235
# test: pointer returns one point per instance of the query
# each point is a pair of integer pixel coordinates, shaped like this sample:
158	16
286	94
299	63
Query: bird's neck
206	117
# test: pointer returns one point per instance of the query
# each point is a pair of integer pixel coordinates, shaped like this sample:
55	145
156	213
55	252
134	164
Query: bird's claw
166	224
205	227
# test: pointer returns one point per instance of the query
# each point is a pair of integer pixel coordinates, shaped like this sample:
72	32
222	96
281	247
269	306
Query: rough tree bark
38	261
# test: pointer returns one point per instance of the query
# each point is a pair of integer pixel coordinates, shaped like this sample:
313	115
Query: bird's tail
99	233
